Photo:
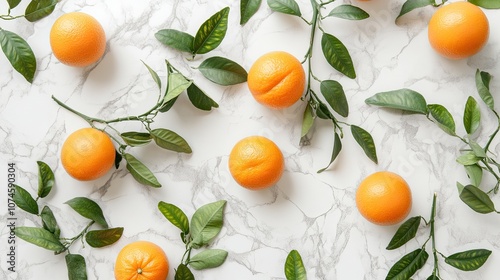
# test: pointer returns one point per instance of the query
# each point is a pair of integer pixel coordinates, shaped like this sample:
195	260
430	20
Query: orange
256	163
141	260
77	39
458	30
277	80
87	154
384	198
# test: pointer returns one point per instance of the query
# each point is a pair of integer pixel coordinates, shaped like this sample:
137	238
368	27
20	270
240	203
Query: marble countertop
310	212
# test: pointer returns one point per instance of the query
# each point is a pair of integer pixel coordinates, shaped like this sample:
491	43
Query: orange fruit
87	154
458	30
256	163
277	80
141	260
77	39
384	198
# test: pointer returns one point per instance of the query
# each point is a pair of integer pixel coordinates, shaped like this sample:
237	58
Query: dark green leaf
247	9
167	105
443	117
468	260
19	54
335	96
175	215
432	277
483	88
487	4
25	201
183	273
208	259
408	265
135	139
177	83
200	99
307	120
77	270
475	173
118	159
140	172
322	112
477	149
105	237
477	200
206	223
294	267
337	147
468	158
211	32
176	39
40	237
472	115
45	179
411	5
13	3
405	233
337	55
49	221
38	9
223	71
365	140
348	12
154	75
88	209
402	99
170	140
289	7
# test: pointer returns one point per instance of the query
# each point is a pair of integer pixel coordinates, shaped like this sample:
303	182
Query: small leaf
405	233
208	259
13	3
365	141
468	158
211	32
167	105
475	173
77	269
140	172
135	139
154	75
443	117
247	9
105	237
175	215
19	54
348	12
45	179
468	260
177	83
408	265
483	88
88	209
433	277
49	221
472	115
402	99
294	267
118	159
411	5
307	120
183	273
322	112
176	39
25	201
337	147
170	140
335	96
337	55
460	188
206	223
477	200
223	71
200	99
38	9
289	7
477	149
487	4
40	237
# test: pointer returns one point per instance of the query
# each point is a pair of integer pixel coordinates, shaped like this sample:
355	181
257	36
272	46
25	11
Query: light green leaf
176	39
337	55
38	9
45	179
154	75
478	150
49	221
468	158
337	147
135	139
365	141
200	99
208	259
39	237
289	7
408	265
206	223
175	215
88	209
167	139
223	71
19	54
307	120
411	5
472	115
402	99
348	12
468	260
140	172
247	9
475	173
405	233
483	88
487	4
443	118
294	267
335	96
460	187
477	200
102	238
177	83
25	201
211	32
77	269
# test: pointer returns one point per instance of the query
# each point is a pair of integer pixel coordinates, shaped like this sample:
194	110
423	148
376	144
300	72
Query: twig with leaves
411	5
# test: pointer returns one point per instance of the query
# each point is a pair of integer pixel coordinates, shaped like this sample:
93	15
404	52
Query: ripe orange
384	198
87	154
141	260
77	39
277	80
458	30
256	163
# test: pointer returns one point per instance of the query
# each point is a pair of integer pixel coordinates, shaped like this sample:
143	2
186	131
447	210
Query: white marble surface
313	213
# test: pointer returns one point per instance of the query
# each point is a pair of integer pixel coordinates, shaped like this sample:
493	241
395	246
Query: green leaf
168	105
433	277
472	115
175	215
49	221
337	147
211	32
477	149
25	201
289	7
140	172
468	260
477	200
223	71
475	174
45	179
38	9
411	5
13	3
135	139
408	265
77	269
200	99
405	233
337	55
177	83
183	273
118	159
154	75
88	209
208	259
402	99
40	237
483	88
294	267
167	139
105	237
248	8
468	158
487	4
307	120
460	187
443	117
365	141
348	12
206	223
176	39
335	96
322	112
19	54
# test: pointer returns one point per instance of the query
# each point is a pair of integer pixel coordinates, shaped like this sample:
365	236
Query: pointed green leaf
411	5
223	71
175	215
487	4
183	273
105	237
25	201
49	221
408	265
307	120
477	149
433	277
45	179
200	99
176	39
289	7
472	115
483	88
337	55
211	32
348	12
153	74
460	187
140	172
167	139
477	199
337	147
13	3
19	54
168	105
468	260
88	209
177	83
294	267
405	233
468	158
402	99
206	223
475	174
365	141
135	139
38	9
77	269
443	118
322	111
39	237
335	96
208	259
247	9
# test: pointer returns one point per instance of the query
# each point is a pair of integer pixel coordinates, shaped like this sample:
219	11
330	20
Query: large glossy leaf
105	237
408	265
405	233
88	209
402	99
77	269
247	9
25	201
49	221
350	12
294	267
365	141
177	83
337	147
468	260
19	54
411	5
206	223
483	88
200	99
141	172
472	115
176	39
307	120
38	9
13	3
211	32
477	199
335	96
183	273
223	71
154	75
135	139
337	55
487	4
175	215
45	179
40	237
289	7
443	118
167	139
209	258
